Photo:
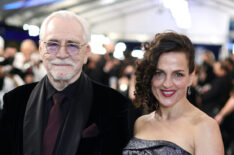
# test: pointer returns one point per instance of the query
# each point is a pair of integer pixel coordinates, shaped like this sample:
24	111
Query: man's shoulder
17	98
107	92
22	90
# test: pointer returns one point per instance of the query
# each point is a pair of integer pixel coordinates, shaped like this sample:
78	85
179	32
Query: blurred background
119	29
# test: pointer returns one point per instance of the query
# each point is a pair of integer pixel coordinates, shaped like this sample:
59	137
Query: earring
189	91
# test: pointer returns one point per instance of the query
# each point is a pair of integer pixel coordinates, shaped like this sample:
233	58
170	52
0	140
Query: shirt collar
70	91
50	90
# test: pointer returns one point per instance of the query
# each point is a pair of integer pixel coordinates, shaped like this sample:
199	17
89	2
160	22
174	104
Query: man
92	119
23	58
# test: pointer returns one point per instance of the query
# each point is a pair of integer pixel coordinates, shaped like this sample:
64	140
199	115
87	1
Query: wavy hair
145	70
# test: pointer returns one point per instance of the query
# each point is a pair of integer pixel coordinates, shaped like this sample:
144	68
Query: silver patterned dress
138	146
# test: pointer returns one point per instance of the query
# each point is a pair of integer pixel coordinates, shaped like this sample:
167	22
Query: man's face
10	52
62	66
27	47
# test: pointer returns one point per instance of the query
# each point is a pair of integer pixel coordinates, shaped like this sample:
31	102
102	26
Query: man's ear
40	48
87	53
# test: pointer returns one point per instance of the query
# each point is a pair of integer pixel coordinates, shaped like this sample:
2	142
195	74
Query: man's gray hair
64	14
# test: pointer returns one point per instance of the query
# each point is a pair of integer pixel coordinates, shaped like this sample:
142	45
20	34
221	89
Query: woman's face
170	82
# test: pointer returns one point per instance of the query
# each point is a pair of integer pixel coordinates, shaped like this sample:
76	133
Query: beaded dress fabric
138	146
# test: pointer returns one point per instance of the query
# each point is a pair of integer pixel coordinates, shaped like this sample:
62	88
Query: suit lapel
33	121
76	120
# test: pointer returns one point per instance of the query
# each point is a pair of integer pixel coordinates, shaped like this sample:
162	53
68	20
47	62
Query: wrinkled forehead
64	29
62	22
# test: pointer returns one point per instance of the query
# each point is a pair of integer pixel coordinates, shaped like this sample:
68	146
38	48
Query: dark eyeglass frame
76	47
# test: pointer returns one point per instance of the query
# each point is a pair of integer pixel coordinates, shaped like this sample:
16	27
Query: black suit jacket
105	133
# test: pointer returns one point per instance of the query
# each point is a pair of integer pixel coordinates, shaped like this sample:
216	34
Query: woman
173	125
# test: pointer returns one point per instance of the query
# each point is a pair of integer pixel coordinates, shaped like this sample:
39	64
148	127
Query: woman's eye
179	75
159	74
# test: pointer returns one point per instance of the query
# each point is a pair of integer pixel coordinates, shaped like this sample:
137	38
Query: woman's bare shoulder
142	122
207	136
202	120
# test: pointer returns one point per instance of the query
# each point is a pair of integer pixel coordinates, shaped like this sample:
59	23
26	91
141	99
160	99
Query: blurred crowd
212	90
19	67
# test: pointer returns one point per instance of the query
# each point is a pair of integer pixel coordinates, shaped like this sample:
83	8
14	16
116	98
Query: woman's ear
191	78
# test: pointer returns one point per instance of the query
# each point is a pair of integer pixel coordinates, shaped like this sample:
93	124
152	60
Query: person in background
65	113
225	119
111	66
206	73
225	115
214	98
23	58
92	69
7	58
38	69
173	125
2	42
8	55
227	109
8	80
230	65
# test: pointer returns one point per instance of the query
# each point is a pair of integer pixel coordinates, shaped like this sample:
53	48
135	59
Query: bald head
28	47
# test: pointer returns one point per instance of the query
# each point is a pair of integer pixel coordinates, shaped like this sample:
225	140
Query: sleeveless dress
138	146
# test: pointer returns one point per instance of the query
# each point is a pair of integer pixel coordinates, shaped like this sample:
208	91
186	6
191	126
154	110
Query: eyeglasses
53	47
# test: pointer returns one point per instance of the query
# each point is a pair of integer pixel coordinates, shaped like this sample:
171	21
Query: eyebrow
55	40
69	41
72	41
179	70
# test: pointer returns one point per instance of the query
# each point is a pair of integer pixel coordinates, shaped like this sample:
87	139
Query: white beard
58	75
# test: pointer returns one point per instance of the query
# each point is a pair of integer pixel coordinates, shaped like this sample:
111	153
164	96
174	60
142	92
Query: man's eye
52	44
73	46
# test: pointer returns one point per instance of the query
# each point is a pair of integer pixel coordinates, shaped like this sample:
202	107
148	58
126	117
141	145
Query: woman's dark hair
162	43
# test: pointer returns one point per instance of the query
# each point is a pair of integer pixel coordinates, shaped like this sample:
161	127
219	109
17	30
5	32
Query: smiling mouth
167	93
62	65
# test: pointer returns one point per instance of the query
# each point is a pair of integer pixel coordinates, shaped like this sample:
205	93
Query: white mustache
66	61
